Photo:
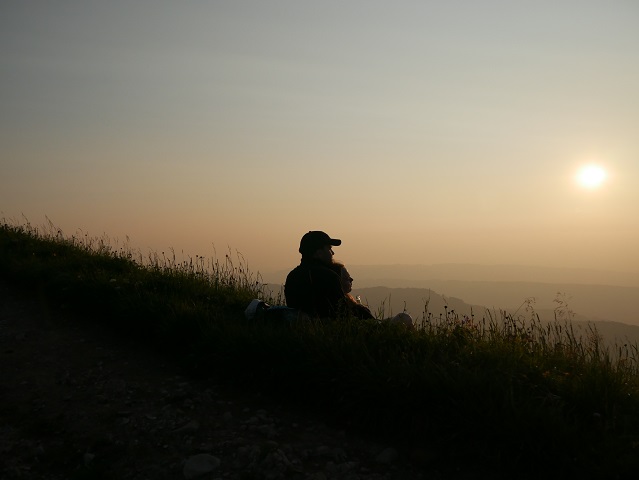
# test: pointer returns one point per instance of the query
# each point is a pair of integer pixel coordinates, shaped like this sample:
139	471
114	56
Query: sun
591	176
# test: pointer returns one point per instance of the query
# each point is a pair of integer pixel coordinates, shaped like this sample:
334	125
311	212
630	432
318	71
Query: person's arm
358	310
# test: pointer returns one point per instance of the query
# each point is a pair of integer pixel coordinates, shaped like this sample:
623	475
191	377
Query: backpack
260	310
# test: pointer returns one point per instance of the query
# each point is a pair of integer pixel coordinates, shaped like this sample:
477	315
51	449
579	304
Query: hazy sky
415	131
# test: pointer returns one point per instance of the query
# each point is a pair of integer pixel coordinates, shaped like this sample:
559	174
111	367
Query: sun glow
591	176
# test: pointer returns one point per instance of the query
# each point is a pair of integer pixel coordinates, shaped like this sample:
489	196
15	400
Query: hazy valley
607	299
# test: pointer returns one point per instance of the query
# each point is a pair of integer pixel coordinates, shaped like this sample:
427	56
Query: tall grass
503	393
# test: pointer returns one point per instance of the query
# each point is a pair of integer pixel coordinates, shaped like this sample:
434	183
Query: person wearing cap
313	286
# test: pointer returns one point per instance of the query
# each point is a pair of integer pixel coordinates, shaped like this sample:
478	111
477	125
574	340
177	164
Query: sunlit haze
591	176
416	132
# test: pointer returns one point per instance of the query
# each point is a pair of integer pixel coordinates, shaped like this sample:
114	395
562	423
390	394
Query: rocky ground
77	402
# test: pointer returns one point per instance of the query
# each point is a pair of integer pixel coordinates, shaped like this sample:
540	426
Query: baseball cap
314	240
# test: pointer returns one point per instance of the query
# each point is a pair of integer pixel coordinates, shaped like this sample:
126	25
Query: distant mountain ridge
597	302
415	301
419	302
592	295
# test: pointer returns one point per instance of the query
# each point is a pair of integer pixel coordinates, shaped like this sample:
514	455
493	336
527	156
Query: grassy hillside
502	395
595	301
417	300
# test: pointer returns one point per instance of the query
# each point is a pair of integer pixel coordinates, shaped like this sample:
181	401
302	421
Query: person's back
313	287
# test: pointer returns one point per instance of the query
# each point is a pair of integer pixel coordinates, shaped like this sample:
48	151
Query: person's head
344	277
318	245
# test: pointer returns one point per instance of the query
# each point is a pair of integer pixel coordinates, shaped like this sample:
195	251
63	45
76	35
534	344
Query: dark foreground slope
78	402
498	400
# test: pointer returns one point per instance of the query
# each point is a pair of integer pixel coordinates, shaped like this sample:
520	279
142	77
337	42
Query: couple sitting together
321	287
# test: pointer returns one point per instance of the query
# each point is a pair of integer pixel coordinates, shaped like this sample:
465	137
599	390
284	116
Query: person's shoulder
299	272
316	270
296	271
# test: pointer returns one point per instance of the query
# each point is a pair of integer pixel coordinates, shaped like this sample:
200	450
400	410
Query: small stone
388	455
317	476
322	450
251	421
227	417
192	426
199	465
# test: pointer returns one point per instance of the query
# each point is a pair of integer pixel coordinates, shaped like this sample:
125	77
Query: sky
418	132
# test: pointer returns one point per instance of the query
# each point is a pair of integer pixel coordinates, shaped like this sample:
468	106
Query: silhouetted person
313	286
321	287
351	306
357	309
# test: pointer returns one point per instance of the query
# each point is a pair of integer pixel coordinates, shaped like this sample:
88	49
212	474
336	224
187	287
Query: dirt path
77	402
